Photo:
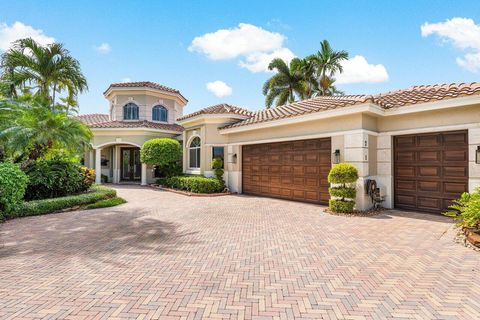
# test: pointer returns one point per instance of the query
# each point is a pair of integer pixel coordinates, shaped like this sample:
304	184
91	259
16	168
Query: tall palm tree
327	63
47	69
34	130
307	69
286	85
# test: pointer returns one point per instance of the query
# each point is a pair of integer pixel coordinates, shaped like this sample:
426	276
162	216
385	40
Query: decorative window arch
159	113
130	111
194	153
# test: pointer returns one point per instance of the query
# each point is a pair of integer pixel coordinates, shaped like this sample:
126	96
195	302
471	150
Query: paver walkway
167	256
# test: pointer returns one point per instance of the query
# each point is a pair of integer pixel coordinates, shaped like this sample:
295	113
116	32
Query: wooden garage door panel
295	170
430	170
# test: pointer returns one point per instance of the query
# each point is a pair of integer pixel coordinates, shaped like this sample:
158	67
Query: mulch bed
466	239
357	213
191	194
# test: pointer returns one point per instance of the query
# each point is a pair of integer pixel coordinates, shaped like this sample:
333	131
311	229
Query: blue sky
153	40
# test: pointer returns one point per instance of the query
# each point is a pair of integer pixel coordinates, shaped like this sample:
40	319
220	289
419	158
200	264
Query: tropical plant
466	210
286	85
49	70
327	62
13	183
55	178
33	130
164	153
195	184
342	177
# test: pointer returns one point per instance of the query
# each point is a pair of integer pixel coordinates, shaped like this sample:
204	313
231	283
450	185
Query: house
419	144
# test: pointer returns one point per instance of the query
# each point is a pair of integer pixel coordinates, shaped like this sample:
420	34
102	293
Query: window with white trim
130	111
194	153
159	113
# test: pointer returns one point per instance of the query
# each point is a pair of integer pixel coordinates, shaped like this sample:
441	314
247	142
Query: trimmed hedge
38	207
106	203
195	184
341	206
343	173
13	183
161	152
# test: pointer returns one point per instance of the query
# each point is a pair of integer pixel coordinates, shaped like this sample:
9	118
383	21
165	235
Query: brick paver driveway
165	256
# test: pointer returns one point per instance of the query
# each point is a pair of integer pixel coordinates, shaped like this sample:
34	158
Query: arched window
130	111
160	113
194	153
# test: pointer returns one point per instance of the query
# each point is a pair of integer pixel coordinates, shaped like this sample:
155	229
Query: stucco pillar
473	167
90	159
98	165
144	174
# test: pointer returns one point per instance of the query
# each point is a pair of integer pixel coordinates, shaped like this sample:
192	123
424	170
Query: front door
131	166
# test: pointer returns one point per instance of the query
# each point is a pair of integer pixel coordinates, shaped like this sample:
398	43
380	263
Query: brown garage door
295	170
430	170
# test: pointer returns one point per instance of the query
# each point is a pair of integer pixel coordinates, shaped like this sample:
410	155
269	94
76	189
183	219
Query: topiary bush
13	183
195	184
343	177
165	153
217	166
56	178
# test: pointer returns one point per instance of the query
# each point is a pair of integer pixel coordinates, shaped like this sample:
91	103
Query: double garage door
294	170
430	170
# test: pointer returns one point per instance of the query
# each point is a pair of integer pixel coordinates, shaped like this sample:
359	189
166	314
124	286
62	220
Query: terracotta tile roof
422	94
222	108
393	99
138	124
92	118
147	84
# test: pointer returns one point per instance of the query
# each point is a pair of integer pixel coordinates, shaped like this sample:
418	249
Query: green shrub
349	193
217	166
342	195
195	184
343	173
55	178
13	183
106	203
38	207
341	206
466	210
161	152
88	176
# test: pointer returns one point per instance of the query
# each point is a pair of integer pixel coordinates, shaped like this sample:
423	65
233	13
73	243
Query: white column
90	159
98	165
144	174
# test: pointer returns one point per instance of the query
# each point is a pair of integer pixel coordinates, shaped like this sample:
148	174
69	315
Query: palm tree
286	85
308	71
327	63
34	130
47	69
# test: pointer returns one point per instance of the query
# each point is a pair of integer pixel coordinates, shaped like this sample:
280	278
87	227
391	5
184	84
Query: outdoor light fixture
336	156
232	158
477	155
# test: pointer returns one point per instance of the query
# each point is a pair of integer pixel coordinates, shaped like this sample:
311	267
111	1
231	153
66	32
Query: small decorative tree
217	166
162	152
343	177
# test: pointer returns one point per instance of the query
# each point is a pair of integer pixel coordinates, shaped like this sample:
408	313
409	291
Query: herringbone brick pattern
166	256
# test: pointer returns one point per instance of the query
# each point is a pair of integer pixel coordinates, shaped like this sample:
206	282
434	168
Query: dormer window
130	111
160	113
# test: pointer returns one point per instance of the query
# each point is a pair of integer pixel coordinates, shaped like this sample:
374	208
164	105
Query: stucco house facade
419	144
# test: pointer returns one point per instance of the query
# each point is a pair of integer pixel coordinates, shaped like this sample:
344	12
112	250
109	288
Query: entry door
131	166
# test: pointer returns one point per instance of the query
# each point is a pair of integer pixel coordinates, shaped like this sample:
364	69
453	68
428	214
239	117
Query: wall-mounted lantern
232	158
477	155
336	156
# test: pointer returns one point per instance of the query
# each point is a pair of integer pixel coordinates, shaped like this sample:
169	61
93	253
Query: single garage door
294	170
430	170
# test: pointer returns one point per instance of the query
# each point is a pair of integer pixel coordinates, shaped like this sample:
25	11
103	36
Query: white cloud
18	30
462	33
126	79
254	46
219	88
259	61
103	48
358	70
